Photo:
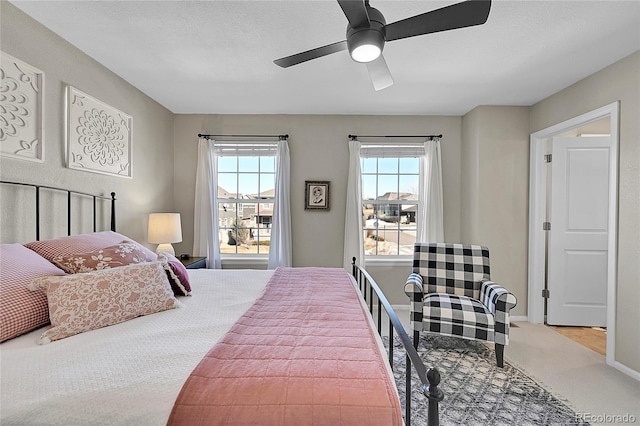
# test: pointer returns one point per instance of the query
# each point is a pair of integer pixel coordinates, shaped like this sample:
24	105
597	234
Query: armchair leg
499	355
416	338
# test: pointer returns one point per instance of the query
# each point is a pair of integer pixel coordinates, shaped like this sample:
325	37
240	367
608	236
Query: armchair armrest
499	301
413	287
496	298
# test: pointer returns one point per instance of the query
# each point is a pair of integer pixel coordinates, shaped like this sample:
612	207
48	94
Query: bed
290	346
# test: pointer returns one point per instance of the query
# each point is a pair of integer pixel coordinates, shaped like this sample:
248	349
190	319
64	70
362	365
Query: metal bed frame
430	378
70	193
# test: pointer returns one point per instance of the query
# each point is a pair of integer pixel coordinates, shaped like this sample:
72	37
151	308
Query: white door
579	216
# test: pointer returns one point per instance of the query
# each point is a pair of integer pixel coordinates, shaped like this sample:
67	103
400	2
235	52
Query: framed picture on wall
316	195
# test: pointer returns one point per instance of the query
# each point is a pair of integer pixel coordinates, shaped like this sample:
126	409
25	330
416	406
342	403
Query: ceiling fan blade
379	73
355	11
460	15
298	58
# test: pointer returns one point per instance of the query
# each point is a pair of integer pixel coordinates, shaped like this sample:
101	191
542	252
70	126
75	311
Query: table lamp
164	229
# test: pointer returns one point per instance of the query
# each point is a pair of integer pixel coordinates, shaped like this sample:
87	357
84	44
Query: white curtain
353	233
280	245
205	215
430	211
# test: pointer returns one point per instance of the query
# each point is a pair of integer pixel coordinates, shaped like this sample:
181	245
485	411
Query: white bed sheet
128	373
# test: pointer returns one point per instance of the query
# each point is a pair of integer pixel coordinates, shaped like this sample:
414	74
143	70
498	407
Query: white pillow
91	300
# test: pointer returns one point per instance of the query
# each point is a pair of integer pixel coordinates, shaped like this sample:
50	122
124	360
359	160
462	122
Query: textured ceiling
217	56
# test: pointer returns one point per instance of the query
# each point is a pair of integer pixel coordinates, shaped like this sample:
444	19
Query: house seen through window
246	191
389	203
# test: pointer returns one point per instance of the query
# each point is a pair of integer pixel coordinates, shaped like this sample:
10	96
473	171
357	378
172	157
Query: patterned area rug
476	391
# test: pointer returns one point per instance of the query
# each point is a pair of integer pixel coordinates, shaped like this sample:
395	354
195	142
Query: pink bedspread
303	354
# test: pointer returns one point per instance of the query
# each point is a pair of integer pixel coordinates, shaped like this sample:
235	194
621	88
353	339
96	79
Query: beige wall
470	161
319	150
485	165
618	82
151	187
495	188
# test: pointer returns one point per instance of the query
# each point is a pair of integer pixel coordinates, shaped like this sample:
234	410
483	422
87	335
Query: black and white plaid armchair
452	294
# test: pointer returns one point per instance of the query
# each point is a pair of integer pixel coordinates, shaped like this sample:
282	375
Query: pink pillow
177	274
83	302
22	310
122	254
82	243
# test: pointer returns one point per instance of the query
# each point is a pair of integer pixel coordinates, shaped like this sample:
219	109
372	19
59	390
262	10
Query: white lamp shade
164	228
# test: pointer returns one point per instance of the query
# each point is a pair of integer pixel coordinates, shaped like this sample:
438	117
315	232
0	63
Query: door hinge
545	293
547	158
546	226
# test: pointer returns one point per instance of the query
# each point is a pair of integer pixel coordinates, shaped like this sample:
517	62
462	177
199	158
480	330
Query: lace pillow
83	302
82	243
122	254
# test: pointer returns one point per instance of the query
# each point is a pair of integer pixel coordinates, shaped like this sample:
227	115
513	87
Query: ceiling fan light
365	45
365	53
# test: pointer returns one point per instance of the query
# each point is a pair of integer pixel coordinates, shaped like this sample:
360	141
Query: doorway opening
603	121
594	338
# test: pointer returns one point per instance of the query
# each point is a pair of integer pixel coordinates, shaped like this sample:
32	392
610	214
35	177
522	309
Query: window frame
387	151
242	201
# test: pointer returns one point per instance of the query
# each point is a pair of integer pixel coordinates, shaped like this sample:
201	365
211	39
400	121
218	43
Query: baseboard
401	311
615	364
626	370
401	307
396	308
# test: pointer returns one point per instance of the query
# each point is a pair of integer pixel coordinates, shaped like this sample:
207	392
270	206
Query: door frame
537	215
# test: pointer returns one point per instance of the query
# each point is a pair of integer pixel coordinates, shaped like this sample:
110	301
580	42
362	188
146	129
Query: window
246	191
390	187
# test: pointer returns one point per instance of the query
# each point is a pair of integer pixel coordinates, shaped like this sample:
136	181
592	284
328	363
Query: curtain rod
431	137
280	137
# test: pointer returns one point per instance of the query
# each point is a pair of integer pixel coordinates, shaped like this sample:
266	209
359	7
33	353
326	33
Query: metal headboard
69	194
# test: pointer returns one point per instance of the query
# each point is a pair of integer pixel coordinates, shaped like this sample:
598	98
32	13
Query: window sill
245	260
388	261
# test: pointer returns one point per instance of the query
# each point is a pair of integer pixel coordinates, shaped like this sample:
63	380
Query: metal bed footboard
70	193
430	378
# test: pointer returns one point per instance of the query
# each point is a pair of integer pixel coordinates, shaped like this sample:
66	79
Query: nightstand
194	262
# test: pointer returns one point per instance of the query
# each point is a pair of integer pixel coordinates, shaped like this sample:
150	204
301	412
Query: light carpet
476	390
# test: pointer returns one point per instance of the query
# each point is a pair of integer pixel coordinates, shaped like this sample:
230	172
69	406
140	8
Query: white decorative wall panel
98	135
21	109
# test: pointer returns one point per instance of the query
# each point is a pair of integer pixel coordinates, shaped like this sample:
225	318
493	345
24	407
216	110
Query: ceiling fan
367	31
